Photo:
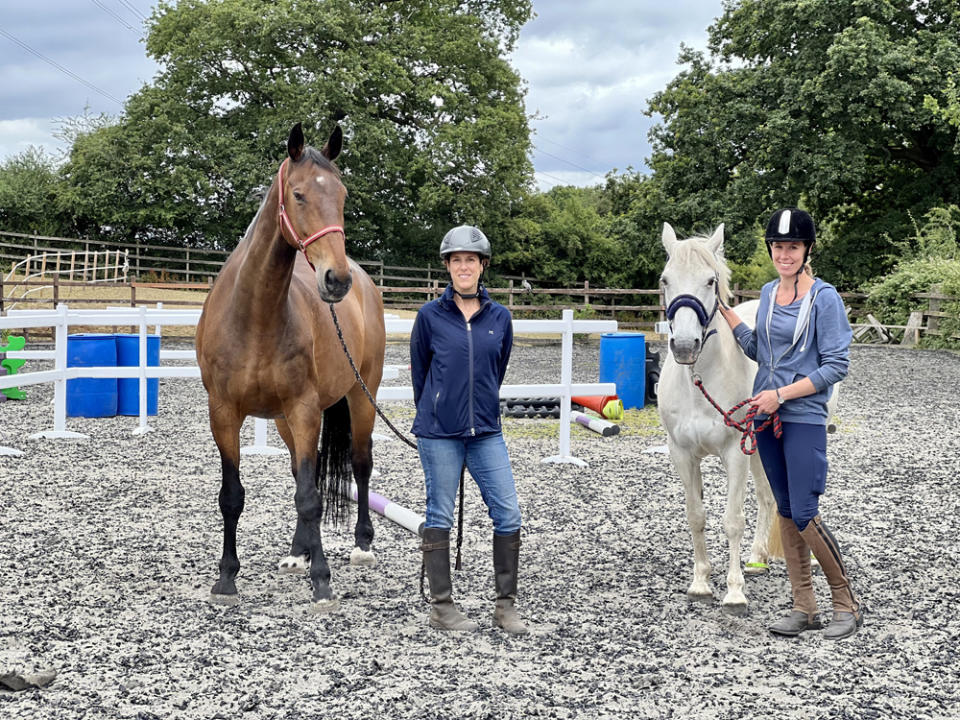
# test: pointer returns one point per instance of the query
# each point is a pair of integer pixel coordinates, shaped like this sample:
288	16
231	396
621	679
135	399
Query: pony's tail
335	471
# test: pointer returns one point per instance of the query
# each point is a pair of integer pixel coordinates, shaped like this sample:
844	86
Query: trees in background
432	113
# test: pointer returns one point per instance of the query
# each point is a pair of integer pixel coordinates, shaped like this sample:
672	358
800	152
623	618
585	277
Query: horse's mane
695	247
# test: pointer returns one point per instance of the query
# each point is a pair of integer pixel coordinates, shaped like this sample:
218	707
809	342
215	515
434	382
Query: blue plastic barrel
623	360
128	389
91	397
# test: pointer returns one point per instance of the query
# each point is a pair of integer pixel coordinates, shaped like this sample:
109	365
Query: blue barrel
91	397
623	360
128	389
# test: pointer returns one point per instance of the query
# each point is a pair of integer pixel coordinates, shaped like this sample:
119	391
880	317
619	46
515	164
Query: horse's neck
264	275
719	355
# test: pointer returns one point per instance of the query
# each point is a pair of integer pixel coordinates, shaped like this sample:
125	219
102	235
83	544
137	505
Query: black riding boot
506	560
436	560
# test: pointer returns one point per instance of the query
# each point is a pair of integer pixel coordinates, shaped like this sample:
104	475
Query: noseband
285	223
694	303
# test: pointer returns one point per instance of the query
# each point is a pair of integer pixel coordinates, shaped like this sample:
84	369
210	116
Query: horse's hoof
756	568
700	597
225	600
734	609
363	558
294	565
324	607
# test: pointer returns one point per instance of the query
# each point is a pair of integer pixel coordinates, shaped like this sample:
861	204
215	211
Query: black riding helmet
791	224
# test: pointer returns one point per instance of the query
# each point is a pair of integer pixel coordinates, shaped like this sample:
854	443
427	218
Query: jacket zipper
473	430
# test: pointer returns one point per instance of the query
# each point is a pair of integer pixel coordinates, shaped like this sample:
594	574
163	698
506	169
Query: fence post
586	289
56	290
188	264
2	293
510	295
933	306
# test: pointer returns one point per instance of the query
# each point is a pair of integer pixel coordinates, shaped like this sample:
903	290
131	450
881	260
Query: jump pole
605	428
398	514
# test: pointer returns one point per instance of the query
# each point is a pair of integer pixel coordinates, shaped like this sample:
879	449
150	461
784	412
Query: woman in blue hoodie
802	348
459	348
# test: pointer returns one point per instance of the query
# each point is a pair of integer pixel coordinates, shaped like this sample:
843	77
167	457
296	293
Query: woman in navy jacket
801	344
459	349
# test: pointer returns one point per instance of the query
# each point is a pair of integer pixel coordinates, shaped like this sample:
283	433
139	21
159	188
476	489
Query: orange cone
608	406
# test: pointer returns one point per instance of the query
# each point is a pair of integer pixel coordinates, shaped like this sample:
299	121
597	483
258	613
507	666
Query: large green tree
845	108
436	131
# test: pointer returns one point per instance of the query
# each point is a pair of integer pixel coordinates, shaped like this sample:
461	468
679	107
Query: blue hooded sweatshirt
458	366
810	338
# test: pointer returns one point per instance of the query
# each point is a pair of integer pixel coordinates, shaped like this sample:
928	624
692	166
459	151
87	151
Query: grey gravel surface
110	547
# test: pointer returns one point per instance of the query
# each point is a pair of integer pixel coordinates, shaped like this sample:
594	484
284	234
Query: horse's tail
335	471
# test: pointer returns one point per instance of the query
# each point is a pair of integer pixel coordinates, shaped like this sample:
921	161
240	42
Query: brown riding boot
436	560
847	617
797	556
506	561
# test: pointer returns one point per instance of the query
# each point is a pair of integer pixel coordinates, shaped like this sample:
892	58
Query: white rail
63	318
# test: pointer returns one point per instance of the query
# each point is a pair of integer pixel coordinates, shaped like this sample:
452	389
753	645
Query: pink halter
285	222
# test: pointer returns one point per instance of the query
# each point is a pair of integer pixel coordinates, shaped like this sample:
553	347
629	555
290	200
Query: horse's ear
295	143
668	238
334	144
716	242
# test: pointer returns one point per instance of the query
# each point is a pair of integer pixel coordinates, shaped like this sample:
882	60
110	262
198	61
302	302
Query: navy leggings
796	466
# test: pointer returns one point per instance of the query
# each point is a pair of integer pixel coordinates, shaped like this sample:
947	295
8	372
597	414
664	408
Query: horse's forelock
695	248
317	158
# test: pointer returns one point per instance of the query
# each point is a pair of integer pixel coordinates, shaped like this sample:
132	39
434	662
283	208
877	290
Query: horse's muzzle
685	351
332	287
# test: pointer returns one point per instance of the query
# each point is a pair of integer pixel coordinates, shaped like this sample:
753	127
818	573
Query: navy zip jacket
458	367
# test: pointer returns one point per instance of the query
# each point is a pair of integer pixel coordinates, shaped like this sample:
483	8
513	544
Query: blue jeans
796	466
487	460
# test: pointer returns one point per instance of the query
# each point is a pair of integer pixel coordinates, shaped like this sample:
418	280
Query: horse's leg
688	468
305	434
759	554
735	463
225	425
362	417
298	561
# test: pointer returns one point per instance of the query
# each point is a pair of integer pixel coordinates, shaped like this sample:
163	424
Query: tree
30	194
433	114
828	105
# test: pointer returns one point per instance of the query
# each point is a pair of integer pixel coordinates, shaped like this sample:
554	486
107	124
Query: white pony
694	280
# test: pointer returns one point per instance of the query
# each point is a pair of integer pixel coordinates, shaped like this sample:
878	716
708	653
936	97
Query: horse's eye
711	282
663	281
298	196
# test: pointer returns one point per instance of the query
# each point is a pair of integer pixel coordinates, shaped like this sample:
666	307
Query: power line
61	68
133	8
115	16
561	159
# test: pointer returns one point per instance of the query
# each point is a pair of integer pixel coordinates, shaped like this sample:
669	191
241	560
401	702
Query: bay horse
694	280
267	347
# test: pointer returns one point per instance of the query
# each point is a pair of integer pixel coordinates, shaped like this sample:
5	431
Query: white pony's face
690	278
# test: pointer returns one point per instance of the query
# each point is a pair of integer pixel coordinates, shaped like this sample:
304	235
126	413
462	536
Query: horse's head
311	210
693	281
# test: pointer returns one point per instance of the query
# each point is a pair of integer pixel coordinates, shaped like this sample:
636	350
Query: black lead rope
356	373
403	437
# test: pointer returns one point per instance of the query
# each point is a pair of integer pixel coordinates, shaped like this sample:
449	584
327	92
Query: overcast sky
590	67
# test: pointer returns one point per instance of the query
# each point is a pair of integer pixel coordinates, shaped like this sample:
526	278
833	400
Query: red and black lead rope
746	428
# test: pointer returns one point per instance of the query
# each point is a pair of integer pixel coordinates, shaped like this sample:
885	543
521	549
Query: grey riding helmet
465	238
791	224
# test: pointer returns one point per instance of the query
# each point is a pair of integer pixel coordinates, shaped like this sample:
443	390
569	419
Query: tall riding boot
847	616
797	556
506	560
436	560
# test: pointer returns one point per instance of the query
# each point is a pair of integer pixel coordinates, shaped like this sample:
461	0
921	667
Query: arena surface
110	547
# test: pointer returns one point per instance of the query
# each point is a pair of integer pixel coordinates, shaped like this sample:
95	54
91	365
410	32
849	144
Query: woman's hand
766	402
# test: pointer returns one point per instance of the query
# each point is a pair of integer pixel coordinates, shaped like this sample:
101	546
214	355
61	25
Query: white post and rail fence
63	319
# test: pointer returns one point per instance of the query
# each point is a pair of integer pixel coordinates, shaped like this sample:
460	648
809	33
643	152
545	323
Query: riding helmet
791	224
465	238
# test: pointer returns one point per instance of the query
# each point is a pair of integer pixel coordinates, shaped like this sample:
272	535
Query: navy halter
693	302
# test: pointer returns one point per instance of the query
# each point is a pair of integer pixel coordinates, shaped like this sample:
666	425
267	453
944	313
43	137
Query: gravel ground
110	547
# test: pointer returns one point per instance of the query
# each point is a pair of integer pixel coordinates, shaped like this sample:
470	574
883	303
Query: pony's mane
695	248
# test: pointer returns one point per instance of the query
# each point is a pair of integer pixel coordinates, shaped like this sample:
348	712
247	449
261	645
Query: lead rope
746	429
356	373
